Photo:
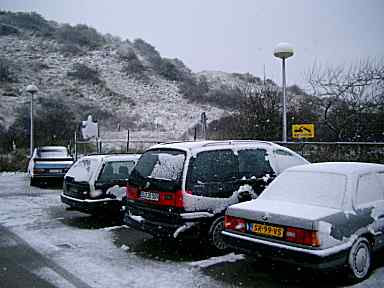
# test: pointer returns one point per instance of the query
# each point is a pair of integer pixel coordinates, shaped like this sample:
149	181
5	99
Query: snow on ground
232	257
89	254
36	215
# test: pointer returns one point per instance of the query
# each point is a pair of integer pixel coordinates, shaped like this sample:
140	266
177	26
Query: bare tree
348	95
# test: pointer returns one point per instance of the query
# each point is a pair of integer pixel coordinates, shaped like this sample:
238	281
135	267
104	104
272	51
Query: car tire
33	182
359	260
215	237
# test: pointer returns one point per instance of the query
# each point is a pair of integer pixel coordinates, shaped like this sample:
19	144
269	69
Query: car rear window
52	153
312	188
116	170
83	169
162	164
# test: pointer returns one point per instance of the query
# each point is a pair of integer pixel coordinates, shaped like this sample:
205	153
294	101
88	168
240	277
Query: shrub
54	123
70	49
84	73
126	53
194	89
8	30
28	21
170	71
149	53
134	68
6	75
79	35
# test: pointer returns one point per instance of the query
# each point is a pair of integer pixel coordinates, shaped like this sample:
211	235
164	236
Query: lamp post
284	51
32	89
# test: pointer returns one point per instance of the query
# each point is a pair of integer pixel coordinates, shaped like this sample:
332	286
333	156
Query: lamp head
283	50
32	89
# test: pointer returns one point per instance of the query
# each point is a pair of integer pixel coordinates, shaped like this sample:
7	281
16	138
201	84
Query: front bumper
312	258
91	206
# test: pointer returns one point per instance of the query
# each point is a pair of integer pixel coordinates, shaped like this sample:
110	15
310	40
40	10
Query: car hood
283	213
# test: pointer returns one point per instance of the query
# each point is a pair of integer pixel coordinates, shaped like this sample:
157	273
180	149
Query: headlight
95	193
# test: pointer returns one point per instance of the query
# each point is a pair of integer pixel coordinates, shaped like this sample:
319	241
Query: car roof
220	144
51	147
113	157
346	168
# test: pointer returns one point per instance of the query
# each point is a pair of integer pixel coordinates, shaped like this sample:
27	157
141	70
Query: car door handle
381	216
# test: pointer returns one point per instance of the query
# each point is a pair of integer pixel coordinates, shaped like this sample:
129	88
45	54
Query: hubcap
217	237
361	260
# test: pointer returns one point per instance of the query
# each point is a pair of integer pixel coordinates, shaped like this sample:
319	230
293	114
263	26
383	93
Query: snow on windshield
161	164
52	153
312	188
83	169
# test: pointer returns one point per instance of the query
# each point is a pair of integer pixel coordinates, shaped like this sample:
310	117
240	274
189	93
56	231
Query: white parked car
96	184
182	189
49	163
318	215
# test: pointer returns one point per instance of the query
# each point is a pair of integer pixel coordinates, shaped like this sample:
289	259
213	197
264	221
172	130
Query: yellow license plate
267	230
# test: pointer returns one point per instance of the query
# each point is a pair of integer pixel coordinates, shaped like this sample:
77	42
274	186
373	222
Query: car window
214	166
285	159
368	189
380	176
213	173
116	170
253	163
52	153
83	169
312	188
163	164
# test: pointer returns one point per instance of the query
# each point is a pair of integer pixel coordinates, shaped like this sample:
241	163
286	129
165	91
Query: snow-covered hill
157	101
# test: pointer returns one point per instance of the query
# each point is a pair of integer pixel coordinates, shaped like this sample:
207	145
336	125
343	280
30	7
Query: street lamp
284	51
32	89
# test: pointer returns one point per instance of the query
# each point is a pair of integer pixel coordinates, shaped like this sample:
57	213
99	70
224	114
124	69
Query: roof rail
231	142
172	142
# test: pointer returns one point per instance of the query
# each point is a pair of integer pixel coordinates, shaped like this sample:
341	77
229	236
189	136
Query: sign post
300	131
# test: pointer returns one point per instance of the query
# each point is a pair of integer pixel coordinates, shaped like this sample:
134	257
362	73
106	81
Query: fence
313	151
111	146
339	151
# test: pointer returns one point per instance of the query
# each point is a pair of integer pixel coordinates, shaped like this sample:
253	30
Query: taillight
234	223
302	236
132	192
173	199
38	171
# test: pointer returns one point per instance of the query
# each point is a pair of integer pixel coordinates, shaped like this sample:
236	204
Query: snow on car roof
195	145
345	168
113	157
122	157
52	148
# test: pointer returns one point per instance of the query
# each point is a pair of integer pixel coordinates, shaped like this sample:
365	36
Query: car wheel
214	235
359	260
33	182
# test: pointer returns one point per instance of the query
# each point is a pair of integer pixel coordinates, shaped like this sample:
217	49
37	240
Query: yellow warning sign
303	131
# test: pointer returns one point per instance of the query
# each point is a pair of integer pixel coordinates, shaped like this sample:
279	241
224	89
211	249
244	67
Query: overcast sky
233	35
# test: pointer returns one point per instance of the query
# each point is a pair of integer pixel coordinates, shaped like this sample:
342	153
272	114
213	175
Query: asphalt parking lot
43	244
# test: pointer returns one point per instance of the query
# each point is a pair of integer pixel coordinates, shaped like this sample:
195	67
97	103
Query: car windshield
311	188
162	164
83	169
116	170
52	153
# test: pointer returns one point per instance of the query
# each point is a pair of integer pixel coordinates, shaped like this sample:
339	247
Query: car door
213	174
370	203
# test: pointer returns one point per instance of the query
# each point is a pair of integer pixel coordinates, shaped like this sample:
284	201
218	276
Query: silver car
317	215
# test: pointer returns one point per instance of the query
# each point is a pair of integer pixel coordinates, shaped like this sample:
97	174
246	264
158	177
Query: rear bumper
166	224
91	206
53	176
319	259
